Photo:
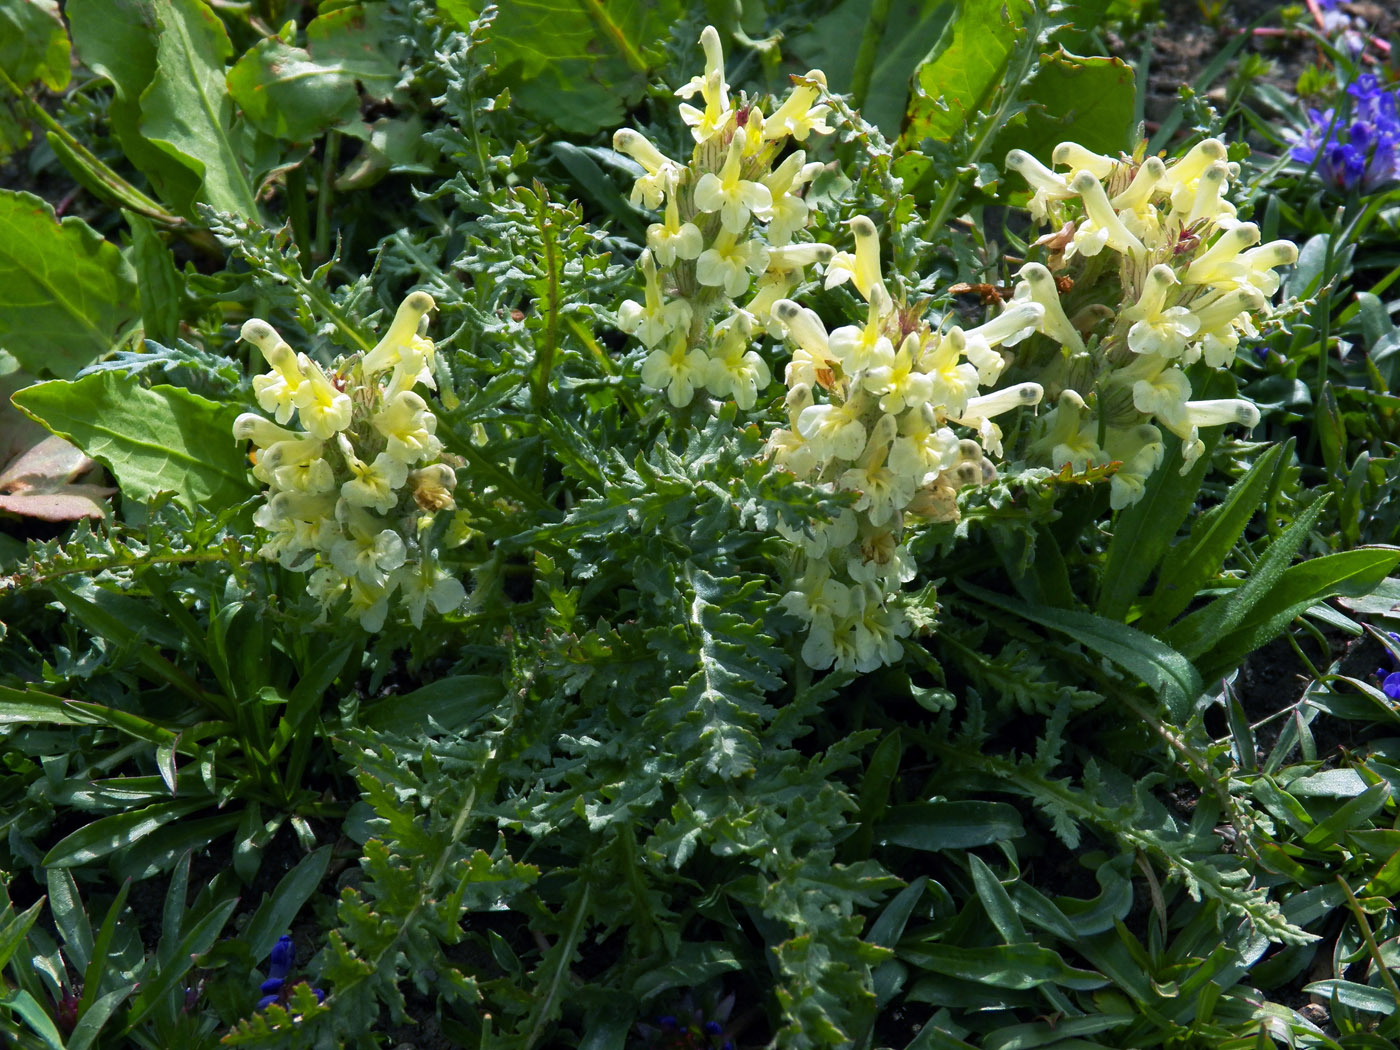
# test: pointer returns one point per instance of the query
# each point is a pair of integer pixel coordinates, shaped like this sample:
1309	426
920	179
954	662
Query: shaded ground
1186	41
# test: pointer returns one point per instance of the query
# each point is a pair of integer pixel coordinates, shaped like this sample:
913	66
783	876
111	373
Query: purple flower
1358	147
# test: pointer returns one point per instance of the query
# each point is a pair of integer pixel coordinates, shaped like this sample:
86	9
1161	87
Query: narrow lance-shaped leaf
109	834
1299	587
1204	628
1196	560
1167	672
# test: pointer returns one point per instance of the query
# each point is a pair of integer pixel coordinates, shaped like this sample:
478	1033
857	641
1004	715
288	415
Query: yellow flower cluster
351	492
728	219
869	408
1193	278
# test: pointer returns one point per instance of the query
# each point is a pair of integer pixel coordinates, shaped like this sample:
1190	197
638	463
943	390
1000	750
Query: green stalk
544	359
297	214
1371	947
869	44
322	248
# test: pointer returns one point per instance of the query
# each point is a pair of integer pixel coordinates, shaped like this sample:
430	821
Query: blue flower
693	1028
1358	147
1390	680
277	989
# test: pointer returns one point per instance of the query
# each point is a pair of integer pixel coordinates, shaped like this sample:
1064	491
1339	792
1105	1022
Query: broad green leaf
953	84
33	44
1196	560
14	133
116	832
576	65
1167	672
1383	601
831	44
934	826
360	41
1086	100
187	110
1330	783
288	94
275	914
66	295
157	439
117	39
